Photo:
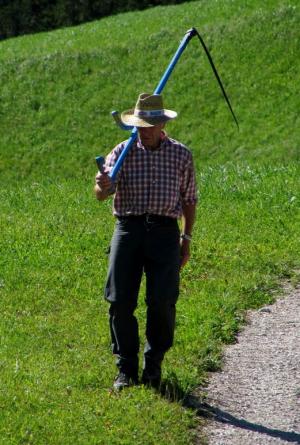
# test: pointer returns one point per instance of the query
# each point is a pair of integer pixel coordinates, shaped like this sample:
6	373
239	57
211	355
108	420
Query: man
154	188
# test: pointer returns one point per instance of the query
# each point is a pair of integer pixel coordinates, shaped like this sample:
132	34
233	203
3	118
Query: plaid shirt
153	181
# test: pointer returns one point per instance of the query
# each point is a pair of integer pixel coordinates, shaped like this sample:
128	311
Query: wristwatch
186	237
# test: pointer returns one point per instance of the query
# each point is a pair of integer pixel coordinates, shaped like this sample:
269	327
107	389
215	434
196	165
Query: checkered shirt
153	181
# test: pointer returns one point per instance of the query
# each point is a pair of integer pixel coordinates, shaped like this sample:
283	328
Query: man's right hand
103	181
104	186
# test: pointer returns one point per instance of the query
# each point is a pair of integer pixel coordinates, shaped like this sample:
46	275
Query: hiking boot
151	380
124	380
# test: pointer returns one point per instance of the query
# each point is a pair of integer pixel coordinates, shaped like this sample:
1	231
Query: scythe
134	133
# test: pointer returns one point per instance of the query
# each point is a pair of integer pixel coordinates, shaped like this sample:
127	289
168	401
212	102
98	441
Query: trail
255	399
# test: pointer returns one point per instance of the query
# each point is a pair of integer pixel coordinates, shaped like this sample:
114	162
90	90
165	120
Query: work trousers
143	244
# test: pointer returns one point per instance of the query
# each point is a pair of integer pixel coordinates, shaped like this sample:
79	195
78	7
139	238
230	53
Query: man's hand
184	252
103	181
104	186
188	218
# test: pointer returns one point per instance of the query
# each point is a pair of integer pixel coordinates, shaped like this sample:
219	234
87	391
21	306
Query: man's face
150	136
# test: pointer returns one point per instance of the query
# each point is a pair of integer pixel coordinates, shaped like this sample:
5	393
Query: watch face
186	237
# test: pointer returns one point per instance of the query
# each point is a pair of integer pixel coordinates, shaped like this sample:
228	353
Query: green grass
57	89
56	92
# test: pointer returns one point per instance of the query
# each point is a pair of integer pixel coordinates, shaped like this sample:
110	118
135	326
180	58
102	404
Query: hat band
149	113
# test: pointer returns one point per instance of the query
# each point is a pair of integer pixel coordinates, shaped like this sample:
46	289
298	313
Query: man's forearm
188	218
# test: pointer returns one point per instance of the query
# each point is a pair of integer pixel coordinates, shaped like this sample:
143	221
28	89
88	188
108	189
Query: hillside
57	89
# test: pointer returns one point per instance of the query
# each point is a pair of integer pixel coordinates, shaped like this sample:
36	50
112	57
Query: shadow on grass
206	410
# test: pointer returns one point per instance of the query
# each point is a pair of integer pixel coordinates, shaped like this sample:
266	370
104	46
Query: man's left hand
184	252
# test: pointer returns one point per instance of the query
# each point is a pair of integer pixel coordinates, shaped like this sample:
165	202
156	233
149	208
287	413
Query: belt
150	218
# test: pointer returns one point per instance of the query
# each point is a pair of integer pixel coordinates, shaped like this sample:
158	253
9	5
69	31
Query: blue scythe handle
100	160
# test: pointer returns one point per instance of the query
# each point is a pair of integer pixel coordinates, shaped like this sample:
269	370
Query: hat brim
128	118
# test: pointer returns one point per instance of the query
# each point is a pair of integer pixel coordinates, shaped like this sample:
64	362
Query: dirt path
255	400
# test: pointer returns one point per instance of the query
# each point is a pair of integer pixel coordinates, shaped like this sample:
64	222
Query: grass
55	96
58	88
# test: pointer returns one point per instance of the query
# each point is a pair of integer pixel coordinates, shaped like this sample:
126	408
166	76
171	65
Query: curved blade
217	77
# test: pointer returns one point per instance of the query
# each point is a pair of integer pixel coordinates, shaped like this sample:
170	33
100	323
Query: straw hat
148	111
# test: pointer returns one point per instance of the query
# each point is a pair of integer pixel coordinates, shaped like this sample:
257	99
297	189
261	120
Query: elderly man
154	188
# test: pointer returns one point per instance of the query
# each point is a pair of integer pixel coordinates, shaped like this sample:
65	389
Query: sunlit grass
56	92
56	365
57	89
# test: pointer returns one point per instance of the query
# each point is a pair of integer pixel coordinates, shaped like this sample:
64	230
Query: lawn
56	92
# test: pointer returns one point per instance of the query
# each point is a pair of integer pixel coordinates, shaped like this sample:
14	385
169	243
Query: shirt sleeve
188	188
111	160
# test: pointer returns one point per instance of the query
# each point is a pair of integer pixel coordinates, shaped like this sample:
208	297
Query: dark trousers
144	244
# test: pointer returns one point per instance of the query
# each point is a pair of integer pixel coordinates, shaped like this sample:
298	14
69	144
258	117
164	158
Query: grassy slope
57	90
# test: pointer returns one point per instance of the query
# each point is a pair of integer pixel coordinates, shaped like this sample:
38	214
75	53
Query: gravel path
255	399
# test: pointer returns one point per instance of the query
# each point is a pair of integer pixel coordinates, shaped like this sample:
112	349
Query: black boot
152	373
